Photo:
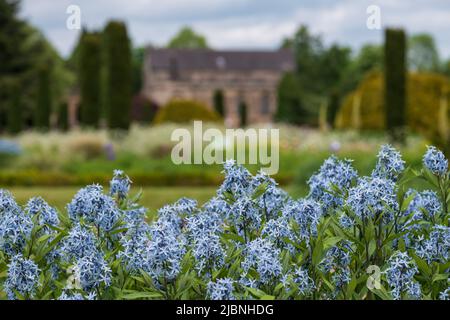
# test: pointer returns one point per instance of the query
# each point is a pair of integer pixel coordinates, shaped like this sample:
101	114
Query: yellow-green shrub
424	113
182	111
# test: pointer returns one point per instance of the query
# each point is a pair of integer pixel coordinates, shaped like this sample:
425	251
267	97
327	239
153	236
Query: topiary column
333	107
44	99
63	117
89	79
15	112
395	82
118	90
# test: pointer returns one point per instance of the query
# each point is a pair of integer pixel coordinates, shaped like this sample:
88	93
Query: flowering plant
250	241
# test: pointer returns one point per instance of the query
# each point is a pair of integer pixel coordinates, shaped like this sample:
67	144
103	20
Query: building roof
206	59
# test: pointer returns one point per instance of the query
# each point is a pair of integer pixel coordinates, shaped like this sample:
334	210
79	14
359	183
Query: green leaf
439	277
142	295
351	286
382	293
233	236
267	297
256	292
372	247
422	265
331	241
318	253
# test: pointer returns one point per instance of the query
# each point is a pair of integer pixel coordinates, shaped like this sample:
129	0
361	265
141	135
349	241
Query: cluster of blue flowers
15	225
435	161
264	257
222	289
23	278
251	240
333	174
400	276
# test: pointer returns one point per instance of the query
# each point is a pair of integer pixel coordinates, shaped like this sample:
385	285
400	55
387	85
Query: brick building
243	77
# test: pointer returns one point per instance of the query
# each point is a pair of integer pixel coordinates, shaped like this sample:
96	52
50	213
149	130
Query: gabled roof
206	59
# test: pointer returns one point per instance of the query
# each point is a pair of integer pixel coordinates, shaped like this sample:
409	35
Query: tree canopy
187	38
422	53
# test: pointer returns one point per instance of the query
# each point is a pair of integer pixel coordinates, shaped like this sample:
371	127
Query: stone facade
249	77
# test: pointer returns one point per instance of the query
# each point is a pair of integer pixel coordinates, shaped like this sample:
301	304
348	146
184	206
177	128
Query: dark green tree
422	53
446	68
218	100
13	61
187	38
63	117
137	65
118	74
15	111
290	108
320	69
89	78
333	107
242	114
44	99
395	82
369	57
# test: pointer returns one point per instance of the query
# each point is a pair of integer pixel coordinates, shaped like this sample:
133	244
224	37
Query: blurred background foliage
334	102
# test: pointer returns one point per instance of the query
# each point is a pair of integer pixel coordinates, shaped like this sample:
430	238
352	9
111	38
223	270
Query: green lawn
152	197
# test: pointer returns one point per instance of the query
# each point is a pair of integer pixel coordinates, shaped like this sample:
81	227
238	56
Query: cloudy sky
243	24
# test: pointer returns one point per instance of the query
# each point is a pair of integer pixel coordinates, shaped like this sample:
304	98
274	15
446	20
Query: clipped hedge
183	111
427	101
53	179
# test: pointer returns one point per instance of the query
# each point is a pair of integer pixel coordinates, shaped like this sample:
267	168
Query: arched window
218	102
265	103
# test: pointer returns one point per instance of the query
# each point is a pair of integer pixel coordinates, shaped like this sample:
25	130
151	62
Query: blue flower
79	243
221	289
336	262
435	161
245	215
166	250
389	163
7	202
92	206
208	253
306	213
303	281
92	271
173	215
278	231
47	214
217	206
445	295
204	222
76	296
135	254
120	184
261	255
237	182
400	276
273	198
23	277
436	247
133	216
346	222
423	206
15	225
333	173
373	197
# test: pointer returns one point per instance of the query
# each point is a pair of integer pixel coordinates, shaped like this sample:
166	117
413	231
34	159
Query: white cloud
243	23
